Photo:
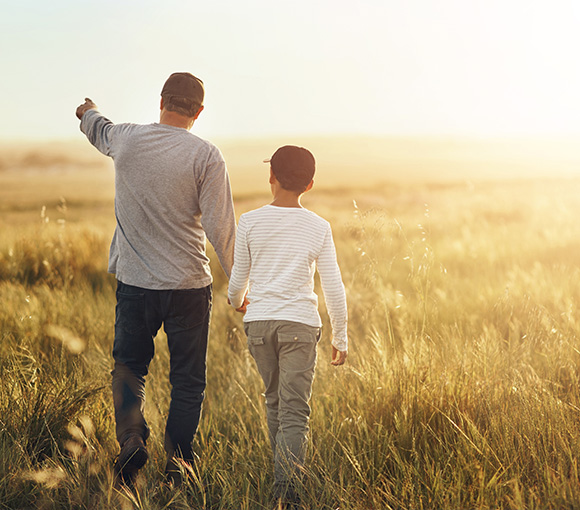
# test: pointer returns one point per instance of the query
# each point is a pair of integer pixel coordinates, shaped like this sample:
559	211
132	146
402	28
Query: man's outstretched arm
97	128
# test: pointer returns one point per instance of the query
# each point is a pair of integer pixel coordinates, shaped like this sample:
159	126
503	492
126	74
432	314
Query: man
171	190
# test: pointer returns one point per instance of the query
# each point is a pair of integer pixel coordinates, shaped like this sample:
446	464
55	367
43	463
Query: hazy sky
463	67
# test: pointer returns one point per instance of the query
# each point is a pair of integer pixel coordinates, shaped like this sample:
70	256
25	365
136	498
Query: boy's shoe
287	496
131	459
286	505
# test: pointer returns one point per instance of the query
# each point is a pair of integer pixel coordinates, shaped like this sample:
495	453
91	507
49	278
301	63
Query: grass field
461	390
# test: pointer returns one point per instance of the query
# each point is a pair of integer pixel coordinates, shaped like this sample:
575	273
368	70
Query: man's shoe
173	472
131	459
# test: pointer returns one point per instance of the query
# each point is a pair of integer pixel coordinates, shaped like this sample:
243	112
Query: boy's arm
240	276
335	297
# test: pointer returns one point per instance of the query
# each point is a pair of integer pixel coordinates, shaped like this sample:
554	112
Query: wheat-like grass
460	391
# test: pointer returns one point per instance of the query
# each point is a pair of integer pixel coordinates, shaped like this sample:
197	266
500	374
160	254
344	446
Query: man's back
170	186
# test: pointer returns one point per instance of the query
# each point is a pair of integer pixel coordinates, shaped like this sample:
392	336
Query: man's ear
309	187
198	112
272	177
161	104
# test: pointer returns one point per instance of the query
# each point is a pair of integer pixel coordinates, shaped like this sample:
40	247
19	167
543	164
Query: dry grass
461	389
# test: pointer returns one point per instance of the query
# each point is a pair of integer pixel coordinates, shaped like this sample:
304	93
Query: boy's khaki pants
285	354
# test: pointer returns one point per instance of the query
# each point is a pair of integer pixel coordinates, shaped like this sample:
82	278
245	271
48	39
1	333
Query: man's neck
175	119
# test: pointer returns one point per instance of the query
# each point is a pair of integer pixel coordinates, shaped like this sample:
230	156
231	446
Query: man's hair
181	105
293	167
183	93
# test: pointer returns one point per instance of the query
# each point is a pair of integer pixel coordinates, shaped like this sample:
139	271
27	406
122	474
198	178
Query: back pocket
190	307
299	337
255	340
130	312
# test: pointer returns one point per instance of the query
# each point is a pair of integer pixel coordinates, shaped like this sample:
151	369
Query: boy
277	250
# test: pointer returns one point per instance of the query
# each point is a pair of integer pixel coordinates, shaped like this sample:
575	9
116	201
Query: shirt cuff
340	344
236	299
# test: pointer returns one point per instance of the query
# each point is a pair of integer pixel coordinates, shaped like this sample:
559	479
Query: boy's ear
309	187
272	177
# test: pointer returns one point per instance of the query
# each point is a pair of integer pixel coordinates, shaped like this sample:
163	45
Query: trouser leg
285	354
187	328
133	349
271	393
297	365
129	403
263	347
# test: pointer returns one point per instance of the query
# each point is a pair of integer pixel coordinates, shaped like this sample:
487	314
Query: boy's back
279	251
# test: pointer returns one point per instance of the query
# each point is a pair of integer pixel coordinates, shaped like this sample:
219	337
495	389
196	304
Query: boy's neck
285	198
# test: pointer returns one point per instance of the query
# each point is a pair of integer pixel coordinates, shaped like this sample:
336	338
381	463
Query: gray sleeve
217	210
98	129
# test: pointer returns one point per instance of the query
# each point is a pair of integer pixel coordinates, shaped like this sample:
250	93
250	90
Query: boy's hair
293	167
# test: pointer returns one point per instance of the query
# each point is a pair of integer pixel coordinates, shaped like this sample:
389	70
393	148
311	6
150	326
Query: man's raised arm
95	126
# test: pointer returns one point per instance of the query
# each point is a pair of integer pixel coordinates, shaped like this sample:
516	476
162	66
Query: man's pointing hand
87	105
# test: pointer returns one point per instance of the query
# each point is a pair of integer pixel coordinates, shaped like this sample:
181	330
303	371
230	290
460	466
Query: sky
314	67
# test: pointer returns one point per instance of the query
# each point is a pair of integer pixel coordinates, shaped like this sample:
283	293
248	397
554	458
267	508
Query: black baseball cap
184	85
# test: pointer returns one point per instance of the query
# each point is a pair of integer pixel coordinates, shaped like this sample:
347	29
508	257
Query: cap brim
267	160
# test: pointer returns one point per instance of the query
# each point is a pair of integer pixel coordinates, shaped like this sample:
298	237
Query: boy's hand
87	105
242	309
338	357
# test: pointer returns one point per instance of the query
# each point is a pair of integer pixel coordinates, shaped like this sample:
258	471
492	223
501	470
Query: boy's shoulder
254	212
316	218
270	211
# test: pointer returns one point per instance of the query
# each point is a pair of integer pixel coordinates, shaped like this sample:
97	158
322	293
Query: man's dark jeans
185	315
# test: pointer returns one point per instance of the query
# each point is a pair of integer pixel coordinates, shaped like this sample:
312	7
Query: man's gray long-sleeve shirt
171	190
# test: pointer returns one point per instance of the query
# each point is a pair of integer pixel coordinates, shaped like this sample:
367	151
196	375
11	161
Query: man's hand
338	357
87	105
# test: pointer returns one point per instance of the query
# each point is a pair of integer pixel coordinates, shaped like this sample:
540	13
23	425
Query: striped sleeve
241	269
334	293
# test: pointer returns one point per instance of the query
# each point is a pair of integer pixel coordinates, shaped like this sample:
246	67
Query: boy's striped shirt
277	252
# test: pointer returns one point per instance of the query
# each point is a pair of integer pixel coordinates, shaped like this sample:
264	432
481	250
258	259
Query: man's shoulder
187	140
212	149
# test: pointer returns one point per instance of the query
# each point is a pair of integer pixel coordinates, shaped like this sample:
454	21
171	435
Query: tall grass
460	390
